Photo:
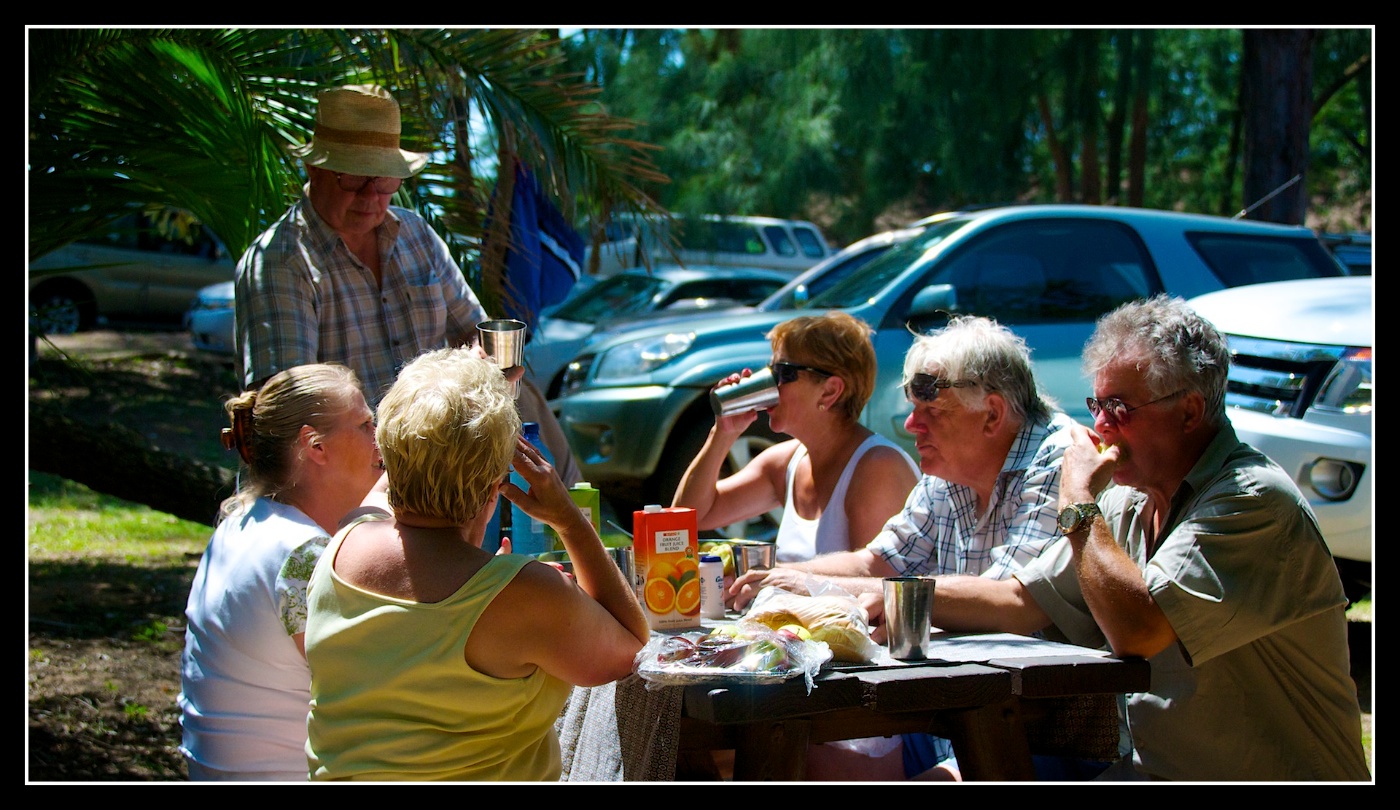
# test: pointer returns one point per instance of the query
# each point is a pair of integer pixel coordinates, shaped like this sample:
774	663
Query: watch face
1069	516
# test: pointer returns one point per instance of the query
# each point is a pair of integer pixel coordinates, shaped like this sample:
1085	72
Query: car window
813	246
1048	271
1240	259
142	232
721	237
616	295
778	238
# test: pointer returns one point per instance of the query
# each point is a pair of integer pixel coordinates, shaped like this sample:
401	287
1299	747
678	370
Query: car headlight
1348	386
642	356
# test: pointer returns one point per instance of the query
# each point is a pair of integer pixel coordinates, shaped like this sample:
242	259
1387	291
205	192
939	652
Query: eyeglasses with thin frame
1115	411
784	372
355	183
925	387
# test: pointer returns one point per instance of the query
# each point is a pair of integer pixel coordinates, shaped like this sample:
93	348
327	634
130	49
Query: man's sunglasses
1116	412
925	387
355	183
785	373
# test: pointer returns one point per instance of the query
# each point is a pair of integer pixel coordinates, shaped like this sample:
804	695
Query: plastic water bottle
711	586
527	535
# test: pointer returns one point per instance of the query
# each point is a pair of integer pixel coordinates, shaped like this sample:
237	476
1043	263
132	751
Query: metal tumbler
758	391
504	340
908	616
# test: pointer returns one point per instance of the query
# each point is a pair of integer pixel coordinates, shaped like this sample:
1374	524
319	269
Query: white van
791	245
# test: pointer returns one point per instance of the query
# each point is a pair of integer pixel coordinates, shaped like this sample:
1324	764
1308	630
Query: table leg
772	751
991	744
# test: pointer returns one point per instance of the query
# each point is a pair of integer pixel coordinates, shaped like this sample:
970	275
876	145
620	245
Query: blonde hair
265	425
837	342
447	433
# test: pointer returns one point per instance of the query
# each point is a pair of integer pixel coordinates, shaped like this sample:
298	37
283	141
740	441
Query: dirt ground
105	639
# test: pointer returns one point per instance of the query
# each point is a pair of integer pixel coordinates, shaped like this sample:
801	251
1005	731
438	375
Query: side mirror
933	300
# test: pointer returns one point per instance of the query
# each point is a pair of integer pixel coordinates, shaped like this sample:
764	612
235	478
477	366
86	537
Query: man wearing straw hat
346	277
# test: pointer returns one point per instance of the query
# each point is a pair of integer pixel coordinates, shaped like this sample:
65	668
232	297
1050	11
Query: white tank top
800	539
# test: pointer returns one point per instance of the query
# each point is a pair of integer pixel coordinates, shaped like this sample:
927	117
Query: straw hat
357	132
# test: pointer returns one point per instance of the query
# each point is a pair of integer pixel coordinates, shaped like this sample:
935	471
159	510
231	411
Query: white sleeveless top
800	539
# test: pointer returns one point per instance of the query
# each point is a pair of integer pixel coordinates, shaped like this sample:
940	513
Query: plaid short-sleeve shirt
940	532
301	296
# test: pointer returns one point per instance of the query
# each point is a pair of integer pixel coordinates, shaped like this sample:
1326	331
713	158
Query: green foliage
849	126
200	119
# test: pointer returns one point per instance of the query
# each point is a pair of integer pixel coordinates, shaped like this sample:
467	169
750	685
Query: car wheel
682	450
61	308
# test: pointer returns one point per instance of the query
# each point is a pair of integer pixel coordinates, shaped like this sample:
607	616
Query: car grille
1277	377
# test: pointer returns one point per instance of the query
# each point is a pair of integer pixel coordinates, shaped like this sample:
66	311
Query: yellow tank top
392	697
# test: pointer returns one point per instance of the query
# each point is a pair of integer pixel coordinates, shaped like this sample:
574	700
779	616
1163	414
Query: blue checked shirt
300	296
939	531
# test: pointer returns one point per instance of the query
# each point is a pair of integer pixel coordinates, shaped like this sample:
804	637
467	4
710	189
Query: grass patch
67	520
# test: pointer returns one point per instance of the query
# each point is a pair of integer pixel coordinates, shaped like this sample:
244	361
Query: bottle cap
711	558
652	507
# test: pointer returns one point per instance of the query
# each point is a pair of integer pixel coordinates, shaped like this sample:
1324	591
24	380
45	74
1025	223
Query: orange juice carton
666	545
590	502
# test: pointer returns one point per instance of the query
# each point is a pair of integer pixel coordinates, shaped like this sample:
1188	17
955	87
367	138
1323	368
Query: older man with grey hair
1205	559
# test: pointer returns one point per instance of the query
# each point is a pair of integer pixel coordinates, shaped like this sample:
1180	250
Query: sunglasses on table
355	183
1115	411
925	387
784	372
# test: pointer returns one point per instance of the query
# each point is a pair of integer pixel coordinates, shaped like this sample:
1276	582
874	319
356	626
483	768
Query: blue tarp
545	256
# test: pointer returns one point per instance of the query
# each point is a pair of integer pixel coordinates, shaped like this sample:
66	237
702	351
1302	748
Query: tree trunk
1277	90
116	460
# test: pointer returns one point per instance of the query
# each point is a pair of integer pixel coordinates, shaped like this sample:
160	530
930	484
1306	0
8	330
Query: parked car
780	244
634	404
134	272
209	319
1300	392
637	293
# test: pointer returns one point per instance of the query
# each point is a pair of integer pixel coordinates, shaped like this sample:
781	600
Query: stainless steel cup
752	554
908	616
504	340
758	391
622	555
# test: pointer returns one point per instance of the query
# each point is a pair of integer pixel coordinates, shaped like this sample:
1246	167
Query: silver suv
635	403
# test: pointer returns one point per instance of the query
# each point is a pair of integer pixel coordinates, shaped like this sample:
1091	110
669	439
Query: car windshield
611	297
795	294
875	275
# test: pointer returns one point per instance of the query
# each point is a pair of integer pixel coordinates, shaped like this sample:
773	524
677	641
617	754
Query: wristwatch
1077	516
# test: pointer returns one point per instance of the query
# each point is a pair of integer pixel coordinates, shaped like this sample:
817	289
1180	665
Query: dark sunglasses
355	183
785	373
1116	412
925	387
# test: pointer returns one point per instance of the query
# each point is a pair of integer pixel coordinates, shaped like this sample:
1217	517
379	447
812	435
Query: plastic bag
742	652
830	614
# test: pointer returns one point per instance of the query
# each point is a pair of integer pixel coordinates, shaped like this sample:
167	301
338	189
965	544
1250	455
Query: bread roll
838	621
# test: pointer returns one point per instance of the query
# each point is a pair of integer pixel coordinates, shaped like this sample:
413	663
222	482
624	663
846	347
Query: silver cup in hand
504	341
758	391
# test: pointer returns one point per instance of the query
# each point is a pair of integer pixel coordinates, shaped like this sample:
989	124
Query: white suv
1300	392
790	245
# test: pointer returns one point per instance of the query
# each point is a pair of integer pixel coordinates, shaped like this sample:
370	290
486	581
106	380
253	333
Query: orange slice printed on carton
660	596
688	598
685	564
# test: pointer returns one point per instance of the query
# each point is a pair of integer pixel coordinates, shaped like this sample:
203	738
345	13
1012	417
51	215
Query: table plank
1075	675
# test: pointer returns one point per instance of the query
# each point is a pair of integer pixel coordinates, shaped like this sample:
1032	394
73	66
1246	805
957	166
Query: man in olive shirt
1205	559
